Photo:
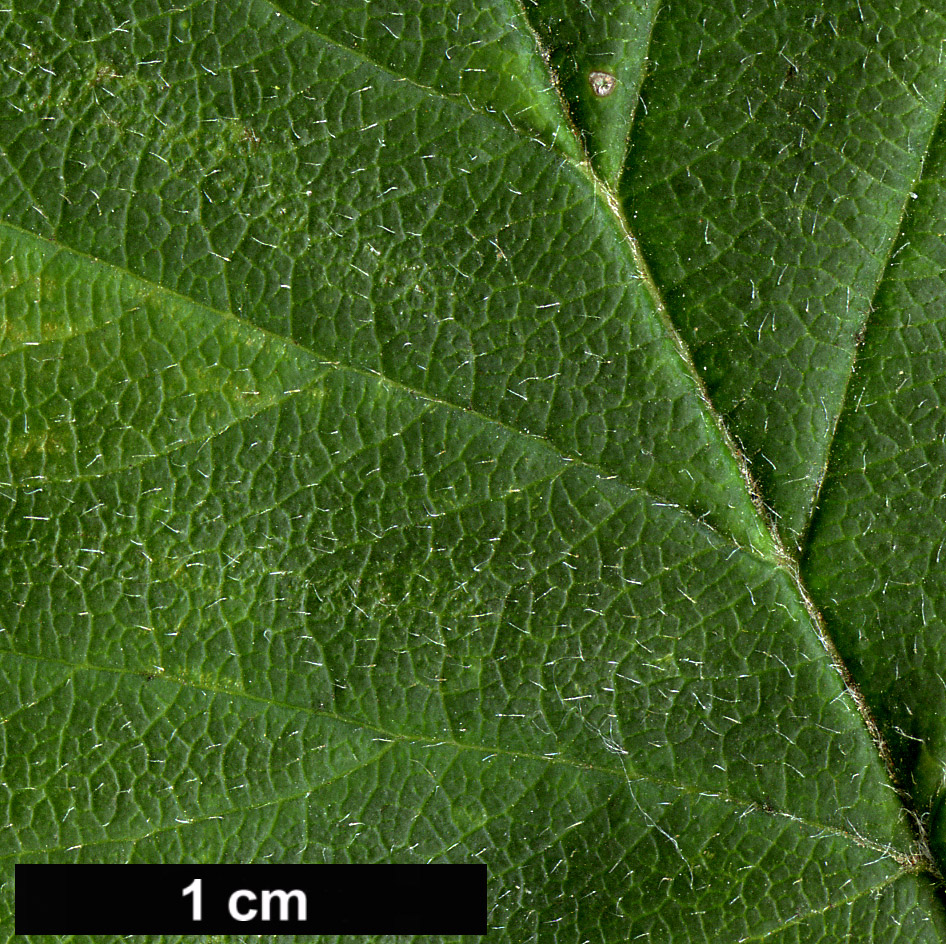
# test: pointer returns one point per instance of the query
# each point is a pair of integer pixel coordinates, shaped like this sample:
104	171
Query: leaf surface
409	453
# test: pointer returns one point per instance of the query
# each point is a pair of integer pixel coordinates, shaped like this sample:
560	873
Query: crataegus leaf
503	431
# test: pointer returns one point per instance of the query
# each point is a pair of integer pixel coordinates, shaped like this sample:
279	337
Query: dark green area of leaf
410	454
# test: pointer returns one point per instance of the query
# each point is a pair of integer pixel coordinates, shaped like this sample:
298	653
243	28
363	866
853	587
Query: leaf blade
500	607
777	210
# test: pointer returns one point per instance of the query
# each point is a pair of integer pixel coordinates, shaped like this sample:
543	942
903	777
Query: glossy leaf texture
506	431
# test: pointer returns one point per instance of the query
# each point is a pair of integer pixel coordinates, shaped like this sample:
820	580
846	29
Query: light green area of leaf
408	454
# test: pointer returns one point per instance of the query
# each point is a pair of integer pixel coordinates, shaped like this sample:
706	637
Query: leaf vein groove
625	773
377	377
865	321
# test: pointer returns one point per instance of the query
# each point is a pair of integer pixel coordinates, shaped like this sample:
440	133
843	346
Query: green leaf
505	431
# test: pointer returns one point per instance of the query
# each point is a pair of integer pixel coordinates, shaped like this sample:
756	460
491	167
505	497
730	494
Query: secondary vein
865	321
784	560
625	773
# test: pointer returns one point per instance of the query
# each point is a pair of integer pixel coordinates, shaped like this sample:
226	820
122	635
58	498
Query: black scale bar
254	899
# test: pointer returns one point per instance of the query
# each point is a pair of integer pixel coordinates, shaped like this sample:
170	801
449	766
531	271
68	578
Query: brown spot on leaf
602	83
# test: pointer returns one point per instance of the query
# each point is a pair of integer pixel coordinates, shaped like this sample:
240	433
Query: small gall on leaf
602	83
